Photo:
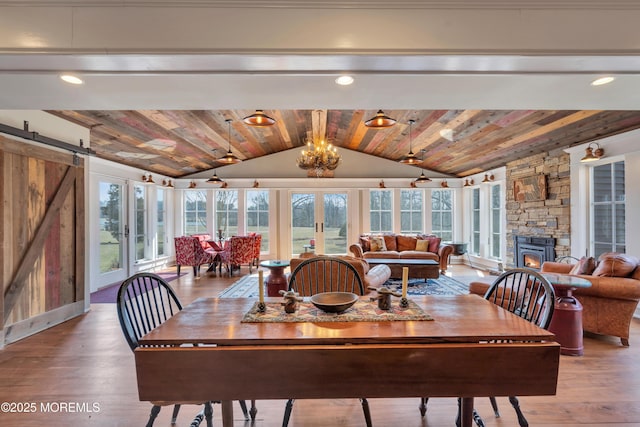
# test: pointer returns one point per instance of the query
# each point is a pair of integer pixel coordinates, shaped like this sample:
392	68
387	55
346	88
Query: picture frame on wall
530	188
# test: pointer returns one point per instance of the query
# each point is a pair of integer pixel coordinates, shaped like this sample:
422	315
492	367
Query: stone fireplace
533	251
541	227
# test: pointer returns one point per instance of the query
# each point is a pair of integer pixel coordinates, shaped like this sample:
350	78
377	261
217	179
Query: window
496	222
475	221
195	211
380	209
608	208
161	222
258	215
140	223
411	211
442	214
227	212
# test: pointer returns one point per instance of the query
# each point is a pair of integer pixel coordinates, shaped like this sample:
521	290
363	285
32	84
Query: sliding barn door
42	213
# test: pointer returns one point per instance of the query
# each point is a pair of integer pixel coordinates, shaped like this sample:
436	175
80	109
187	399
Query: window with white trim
227	212
161	222
140	221
195	212
381	211
475	222
411	211
496	222
608	208
442	214
258	215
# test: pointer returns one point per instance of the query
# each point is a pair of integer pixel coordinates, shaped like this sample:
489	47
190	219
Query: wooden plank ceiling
456	142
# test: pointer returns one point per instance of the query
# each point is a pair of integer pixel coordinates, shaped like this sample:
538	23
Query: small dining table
470	348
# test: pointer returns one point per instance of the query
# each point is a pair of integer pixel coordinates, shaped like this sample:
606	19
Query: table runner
361	311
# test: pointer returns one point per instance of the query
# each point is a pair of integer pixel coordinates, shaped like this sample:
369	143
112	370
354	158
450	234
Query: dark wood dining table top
457	319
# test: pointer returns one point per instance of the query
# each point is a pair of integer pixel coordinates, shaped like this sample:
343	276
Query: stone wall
540	218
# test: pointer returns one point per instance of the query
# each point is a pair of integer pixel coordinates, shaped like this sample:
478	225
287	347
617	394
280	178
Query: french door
113	232
319	222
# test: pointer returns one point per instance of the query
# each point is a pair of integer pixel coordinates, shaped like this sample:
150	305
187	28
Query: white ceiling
286	54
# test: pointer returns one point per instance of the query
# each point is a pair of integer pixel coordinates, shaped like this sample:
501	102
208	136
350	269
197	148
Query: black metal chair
325	274
526	293
144	302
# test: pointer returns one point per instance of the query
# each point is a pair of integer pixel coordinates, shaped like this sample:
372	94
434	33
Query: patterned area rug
247	287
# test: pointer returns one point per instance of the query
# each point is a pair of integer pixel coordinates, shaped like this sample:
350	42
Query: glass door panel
303	222
113	232
334	228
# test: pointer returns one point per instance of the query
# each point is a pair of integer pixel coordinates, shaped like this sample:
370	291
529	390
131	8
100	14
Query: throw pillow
365	242
612	264
584	266
390	242
406	243
377	244
422	245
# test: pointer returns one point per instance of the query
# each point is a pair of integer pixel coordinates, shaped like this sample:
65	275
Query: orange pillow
584	266
612	264
390	242
406	243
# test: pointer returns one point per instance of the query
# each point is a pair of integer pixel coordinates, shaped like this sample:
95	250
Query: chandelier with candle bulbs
319	158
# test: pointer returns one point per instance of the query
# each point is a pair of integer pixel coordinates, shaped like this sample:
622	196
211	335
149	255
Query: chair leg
174	416
195	271
243	406
287	412
494	405
367	413
208	414
152	416
423	405
625	341
178	269
253	411
516	405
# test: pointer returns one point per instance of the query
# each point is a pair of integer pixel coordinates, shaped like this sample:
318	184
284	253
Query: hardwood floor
86	361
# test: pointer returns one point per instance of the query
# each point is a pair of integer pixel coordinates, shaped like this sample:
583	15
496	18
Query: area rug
247	287
108	294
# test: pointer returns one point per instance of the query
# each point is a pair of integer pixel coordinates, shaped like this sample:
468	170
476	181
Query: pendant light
422	178
259	119
229	158
410	158
215	179
380	121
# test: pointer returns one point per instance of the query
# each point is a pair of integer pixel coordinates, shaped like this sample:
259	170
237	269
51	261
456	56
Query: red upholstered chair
239	250
189	251
257	241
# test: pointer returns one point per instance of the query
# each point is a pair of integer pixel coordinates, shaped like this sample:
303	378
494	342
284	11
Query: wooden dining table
471	348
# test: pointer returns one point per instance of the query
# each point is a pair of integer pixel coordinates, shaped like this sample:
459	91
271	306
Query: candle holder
404	302
384	297
262	307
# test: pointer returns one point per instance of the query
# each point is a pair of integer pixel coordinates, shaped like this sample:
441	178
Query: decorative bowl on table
334	302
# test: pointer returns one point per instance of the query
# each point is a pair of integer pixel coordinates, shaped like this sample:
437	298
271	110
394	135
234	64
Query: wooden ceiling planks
457	142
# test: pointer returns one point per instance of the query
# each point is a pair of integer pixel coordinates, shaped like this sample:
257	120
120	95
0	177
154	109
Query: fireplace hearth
533	251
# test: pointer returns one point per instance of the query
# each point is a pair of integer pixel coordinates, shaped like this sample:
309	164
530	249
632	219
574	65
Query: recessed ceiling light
602	81
71	79
344	80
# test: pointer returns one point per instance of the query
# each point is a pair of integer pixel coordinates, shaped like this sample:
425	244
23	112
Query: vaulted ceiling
455	142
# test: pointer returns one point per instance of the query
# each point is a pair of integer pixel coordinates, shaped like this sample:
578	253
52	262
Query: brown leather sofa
609	304
404	247
374	277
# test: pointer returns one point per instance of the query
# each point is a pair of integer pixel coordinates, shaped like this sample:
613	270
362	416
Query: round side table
276	280
566	322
